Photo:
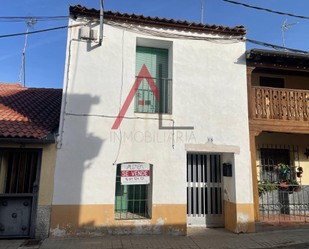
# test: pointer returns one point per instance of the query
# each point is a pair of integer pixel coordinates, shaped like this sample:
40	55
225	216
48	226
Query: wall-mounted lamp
307	152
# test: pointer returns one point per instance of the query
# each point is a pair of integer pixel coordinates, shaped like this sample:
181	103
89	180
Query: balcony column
253	134
250	93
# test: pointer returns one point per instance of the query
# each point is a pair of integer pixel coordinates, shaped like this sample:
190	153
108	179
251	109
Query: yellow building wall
47	170
290	81
93	220
300	140
239	217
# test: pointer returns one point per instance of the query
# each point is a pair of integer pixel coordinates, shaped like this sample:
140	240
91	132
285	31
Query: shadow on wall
78	151
241	60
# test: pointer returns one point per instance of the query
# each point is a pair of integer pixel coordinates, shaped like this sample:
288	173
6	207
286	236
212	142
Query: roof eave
27	140
164	23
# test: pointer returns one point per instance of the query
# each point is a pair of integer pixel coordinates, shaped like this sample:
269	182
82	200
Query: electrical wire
114	117
224	40
40	31
141	30
269	10
26	18
276	46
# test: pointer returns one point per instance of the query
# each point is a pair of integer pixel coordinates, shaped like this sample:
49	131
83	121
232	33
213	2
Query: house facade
29	118
153	133
278	94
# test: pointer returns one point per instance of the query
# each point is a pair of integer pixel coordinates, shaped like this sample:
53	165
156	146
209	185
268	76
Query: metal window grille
19	171
131	201
282	197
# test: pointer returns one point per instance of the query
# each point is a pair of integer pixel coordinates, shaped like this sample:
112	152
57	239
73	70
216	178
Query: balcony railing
278	103
145	100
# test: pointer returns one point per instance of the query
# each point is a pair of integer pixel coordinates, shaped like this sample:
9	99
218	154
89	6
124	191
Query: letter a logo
144	73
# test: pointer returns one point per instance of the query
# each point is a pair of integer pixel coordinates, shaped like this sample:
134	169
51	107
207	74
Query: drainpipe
101	22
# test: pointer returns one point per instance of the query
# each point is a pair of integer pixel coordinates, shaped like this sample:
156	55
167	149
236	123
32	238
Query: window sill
131	216
151	113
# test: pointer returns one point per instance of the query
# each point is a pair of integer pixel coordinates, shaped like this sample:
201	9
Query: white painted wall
209	93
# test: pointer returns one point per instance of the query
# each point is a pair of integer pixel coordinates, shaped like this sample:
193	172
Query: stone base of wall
42	222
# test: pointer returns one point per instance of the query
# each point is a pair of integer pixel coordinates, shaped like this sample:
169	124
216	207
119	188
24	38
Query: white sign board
135	173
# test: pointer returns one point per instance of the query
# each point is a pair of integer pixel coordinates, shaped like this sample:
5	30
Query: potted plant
297	189
300	172
284	168
267	187
293	186
283	185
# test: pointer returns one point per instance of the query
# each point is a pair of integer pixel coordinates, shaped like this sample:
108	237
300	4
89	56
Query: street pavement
197	238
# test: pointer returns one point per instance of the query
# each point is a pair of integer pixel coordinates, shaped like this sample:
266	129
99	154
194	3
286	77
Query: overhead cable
25	18
277	47
269	10
223	40
142	30
40	31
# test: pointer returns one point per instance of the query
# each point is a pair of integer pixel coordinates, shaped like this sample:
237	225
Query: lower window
131	201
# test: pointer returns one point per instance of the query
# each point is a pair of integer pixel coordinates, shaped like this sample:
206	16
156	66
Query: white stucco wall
209	93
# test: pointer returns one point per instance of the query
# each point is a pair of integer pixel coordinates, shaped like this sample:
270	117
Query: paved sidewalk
197	238
10	244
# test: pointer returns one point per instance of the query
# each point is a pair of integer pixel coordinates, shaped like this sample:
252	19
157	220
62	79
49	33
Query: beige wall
290	81
300	140
47	170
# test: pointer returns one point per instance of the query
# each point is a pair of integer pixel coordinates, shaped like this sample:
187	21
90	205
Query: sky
45	52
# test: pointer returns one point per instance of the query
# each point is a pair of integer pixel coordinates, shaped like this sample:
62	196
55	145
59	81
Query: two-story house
278	93
154	132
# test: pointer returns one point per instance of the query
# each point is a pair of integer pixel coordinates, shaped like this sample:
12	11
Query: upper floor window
272	82
156	61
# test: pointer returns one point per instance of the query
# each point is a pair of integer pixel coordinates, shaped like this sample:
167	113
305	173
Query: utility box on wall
227	169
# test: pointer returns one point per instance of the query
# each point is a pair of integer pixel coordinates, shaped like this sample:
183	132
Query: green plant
295	186
300	169
284	166
266	187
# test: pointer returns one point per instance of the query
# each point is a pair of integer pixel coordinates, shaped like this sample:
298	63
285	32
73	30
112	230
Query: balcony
278	104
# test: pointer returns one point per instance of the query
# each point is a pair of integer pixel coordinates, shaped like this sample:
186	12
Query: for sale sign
135	173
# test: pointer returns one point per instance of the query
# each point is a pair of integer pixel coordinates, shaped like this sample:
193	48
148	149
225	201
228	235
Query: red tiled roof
77	10
28	112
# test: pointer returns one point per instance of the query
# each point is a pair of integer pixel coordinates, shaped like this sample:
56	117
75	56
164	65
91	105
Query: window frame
158	44
147	200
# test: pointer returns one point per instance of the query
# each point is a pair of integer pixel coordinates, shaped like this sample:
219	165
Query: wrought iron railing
146	97
279	202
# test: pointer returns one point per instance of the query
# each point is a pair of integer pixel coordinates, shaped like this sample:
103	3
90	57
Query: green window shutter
156	61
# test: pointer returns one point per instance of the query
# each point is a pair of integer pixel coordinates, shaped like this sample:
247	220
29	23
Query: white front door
204	190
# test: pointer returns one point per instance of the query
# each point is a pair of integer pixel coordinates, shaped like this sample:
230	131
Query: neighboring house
278	90
190	75
29	120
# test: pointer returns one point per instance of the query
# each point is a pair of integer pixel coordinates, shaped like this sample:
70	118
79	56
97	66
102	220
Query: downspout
101	23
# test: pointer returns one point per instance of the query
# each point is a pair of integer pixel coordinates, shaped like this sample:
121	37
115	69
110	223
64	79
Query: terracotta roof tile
77	10
28	112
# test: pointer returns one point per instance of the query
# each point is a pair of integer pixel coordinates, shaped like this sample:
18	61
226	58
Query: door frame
220	154
34	195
